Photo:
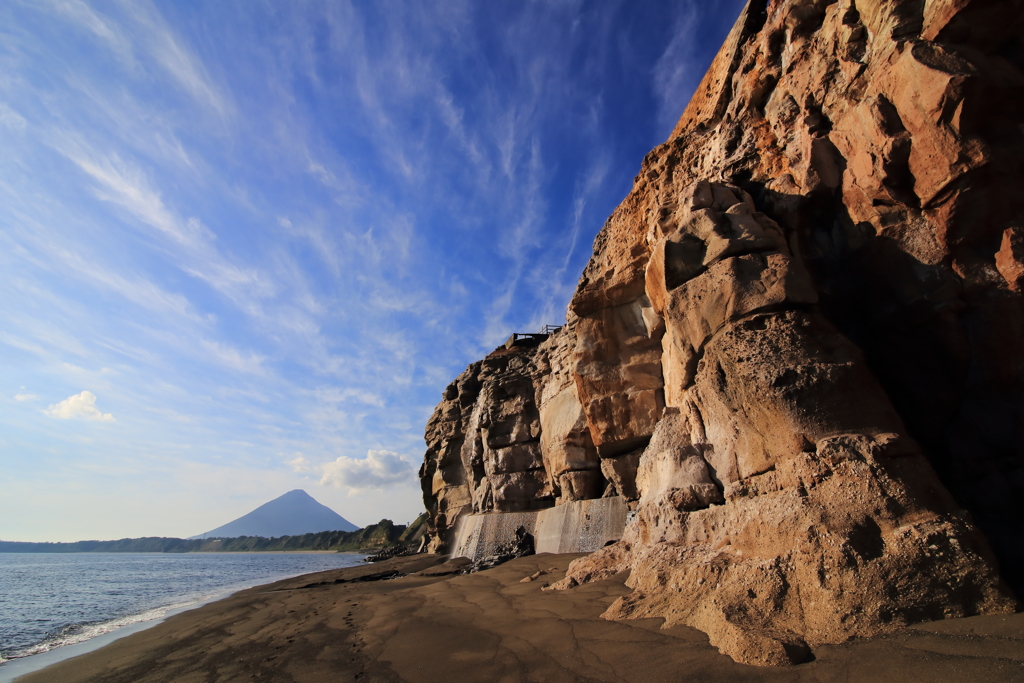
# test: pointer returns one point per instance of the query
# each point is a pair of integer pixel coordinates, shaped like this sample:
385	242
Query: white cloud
302	466
12	119
675	74
335	395
138	290
233	358
171	53
81	405
228	266
377	470
125	185
22	396
83	15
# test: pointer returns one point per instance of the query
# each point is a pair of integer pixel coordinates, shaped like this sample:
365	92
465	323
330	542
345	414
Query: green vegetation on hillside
373	538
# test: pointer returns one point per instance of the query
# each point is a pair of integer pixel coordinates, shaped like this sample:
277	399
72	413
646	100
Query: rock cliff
798	348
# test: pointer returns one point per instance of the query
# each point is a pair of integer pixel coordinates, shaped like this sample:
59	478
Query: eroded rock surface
509	435
798	348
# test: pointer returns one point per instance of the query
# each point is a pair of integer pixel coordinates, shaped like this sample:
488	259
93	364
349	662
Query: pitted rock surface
798	347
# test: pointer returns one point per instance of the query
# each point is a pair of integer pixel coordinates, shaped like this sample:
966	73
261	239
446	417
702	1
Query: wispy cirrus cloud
12	119
685	59
90	20
124	184
50	252
178	61
288	245
234	358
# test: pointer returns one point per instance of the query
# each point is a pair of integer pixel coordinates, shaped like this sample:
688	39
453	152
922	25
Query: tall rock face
509	435
798	348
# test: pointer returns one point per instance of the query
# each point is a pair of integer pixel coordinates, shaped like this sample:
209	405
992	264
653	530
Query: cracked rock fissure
795	351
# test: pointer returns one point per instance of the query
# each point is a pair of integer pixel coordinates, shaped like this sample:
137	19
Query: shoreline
13	669
123	626
434	625
188	552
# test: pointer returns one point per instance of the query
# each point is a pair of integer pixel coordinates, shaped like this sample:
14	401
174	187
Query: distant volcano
292	514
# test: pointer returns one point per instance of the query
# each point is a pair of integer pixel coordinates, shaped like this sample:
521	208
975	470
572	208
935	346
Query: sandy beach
433	625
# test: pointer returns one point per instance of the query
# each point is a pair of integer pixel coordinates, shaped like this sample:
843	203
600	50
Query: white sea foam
56	596
79	633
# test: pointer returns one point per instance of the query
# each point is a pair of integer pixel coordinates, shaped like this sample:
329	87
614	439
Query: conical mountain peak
293	513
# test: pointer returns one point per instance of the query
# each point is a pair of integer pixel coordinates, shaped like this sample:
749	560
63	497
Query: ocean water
51	600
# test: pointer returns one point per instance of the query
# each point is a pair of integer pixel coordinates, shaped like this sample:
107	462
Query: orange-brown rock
1010	257
509	435
798	348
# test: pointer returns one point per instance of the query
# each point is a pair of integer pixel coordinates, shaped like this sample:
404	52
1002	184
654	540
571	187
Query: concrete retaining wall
578	527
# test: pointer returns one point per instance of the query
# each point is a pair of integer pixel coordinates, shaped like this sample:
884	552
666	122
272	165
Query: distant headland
375	537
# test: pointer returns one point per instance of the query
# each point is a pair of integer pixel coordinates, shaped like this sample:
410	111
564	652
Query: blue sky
245	245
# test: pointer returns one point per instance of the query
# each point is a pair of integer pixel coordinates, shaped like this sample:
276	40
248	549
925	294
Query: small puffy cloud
377	470
82	406
23	396
302	466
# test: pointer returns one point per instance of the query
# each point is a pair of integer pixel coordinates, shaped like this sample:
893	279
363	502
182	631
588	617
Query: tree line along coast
385	535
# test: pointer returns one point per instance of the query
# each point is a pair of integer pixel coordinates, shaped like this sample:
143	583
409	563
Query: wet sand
488	626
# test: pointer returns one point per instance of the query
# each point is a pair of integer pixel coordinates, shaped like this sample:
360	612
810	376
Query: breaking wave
79	633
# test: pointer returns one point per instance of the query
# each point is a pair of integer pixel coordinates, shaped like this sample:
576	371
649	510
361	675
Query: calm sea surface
51	600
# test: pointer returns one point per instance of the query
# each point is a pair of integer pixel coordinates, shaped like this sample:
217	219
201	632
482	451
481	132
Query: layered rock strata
798	348
510	435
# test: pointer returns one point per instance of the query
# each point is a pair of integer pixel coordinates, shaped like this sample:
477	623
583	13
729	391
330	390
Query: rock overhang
793	342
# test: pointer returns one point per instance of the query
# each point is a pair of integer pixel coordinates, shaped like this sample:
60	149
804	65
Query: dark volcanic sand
490	627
